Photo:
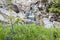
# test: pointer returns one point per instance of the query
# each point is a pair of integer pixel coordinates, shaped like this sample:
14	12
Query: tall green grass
28	32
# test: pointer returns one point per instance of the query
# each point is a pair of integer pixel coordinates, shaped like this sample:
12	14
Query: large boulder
1	17
47	23
5	15
23	2
2	2
56	24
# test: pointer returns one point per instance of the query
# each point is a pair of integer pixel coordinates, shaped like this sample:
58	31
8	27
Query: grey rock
56	24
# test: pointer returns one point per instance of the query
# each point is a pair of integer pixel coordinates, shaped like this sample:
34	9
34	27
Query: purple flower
14	33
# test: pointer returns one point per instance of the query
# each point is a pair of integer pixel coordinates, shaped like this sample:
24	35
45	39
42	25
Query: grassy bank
28	32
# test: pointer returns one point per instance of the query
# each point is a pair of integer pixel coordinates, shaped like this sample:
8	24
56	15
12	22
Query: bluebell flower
14	33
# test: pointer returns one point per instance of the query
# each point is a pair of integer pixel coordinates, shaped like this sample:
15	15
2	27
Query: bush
55	10
29	32
55	7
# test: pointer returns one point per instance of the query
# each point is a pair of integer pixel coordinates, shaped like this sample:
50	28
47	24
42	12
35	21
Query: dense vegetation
28	32
55	7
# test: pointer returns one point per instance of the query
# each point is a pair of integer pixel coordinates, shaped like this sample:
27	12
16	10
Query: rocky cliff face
36	10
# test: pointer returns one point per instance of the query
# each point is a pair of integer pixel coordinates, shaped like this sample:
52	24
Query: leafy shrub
55	10
55	7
